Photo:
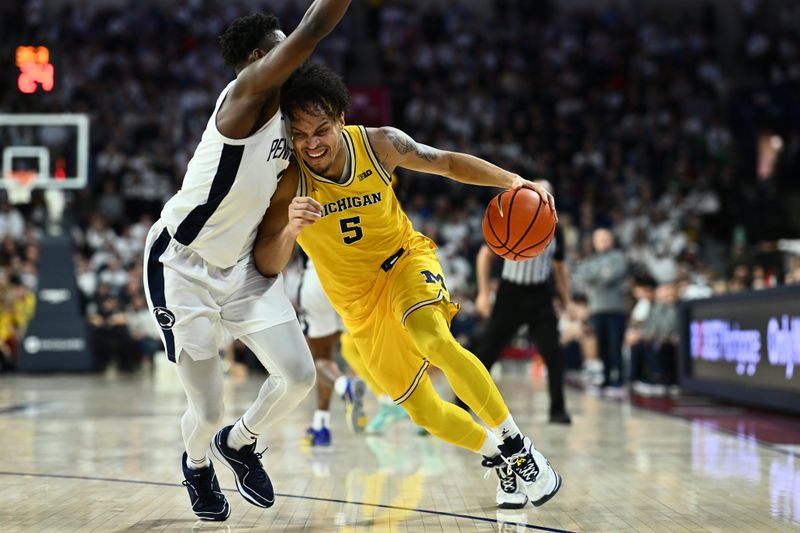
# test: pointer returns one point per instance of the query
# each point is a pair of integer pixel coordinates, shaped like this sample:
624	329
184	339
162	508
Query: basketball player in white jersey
199	273
323	328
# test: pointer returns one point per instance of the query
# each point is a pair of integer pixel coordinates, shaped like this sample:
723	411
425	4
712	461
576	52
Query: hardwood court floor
90	453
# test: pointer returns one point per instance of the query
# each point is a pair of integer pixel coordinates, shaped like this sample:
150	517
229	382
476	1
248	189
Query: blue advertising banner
57	338
744	347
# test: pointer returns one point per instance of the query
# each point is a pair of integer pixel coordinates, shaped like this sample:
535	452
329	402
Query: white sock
490	445
322	419
196	464
241	436
507	429
340	385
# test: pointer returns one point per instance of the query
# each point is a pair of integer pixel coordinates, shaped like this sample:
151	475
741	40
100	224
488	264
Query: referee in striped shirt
525	296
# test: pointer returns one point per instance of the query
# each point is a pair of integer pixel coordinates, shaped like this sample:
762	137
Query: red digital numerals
35	69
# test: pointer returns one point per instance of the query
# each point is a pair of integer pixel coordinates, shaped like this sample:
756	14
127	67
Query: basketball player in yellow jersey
383	277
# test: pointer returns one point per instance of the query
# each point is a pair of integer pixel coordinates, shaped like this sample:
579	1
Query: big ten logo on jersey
430	277
280	149
365	175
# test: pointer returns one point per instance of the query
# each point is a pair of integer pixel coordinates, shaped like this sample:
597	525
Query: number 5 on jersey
351	229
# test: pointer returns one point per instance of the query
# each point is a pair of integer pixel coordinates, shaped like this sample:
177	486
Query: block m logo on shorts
430	277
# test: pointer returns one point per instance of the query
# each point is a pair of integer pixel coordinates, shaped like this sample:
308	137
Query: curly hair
314	88
245	34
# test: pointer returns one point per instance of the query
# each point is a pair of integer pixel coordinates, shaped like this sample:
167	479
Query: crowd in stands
19	255
631	118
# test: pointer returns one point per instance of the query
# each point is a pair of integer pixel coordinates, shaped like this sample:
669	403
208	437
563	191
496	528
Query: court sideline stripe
18	407
315	498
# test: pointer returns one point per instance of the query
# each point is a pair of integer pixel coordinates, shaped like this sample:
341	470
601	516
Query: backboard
54	146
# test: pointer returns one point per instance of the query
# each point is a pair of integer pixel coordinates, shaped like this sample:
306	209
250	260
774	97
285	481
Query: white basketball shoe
510	494
538	478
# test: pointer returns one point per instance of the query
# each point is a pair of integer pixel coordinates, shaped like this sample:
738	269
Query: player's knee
423	415
211	415
302	376
322	365
418	416
437	345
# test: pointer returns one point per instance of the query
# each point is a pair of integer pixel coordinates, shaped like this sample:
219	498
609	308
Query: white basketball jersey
226	190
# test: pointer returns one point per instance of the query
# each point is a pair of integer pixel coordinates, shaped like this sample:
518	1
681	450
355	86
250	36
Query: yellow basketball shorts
415	281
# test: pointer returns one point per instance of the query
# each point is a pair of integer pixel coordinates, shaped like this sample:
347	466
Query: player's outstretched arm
283	221
397	149
258	83
273	69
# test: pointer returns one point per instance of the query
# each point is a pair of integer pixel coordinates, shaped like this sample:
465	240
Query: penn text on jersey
280	149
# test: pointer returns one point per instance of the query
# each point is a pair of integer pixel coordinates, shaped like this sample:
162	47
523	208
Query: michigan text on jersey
349	202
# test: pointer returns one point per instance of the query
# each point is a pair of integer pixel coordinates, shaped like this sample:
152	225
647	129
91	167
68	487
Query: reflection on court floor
102	454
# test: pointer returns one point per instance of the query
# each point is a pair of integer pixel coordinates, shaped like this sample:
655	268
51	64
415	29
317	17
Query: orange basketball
518	224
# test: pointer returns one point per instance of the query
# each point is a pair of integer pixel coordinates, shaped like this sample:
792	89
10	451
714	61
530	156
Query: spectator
110	204
793	275
605	275
10	253
24	305
663	355
86	280
109	322
661	265
11	221
637	336
573	333
143	331
114	276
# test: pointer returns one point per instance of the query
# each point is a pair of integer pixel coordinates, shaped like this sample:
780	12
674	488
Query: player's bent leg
442	419
328	371
429	329
350	389
322	348
203	382
283	351
454	425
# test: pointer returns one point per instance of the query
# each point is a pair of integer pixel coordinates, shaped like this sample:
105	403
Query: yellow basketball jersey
362	226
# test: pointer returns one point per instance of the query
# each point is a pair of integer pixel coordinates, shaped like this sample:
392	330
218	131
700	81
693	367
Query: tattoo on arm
405	144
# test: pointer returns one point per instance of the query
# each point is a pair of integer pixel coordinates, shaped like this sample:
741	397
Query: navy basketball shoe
251	479
208	502
318	437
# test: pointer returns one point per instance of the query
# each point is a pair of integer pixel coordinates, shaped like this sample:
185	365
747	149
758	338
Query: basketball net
19	184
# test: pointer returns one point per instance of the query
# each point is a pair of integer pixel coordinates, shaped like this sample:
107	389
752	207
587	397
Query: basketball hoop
20	184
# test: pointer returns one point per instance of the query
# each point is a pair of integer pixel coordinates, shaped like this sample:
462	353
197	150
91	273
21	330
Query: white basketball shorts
318	317
193	302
